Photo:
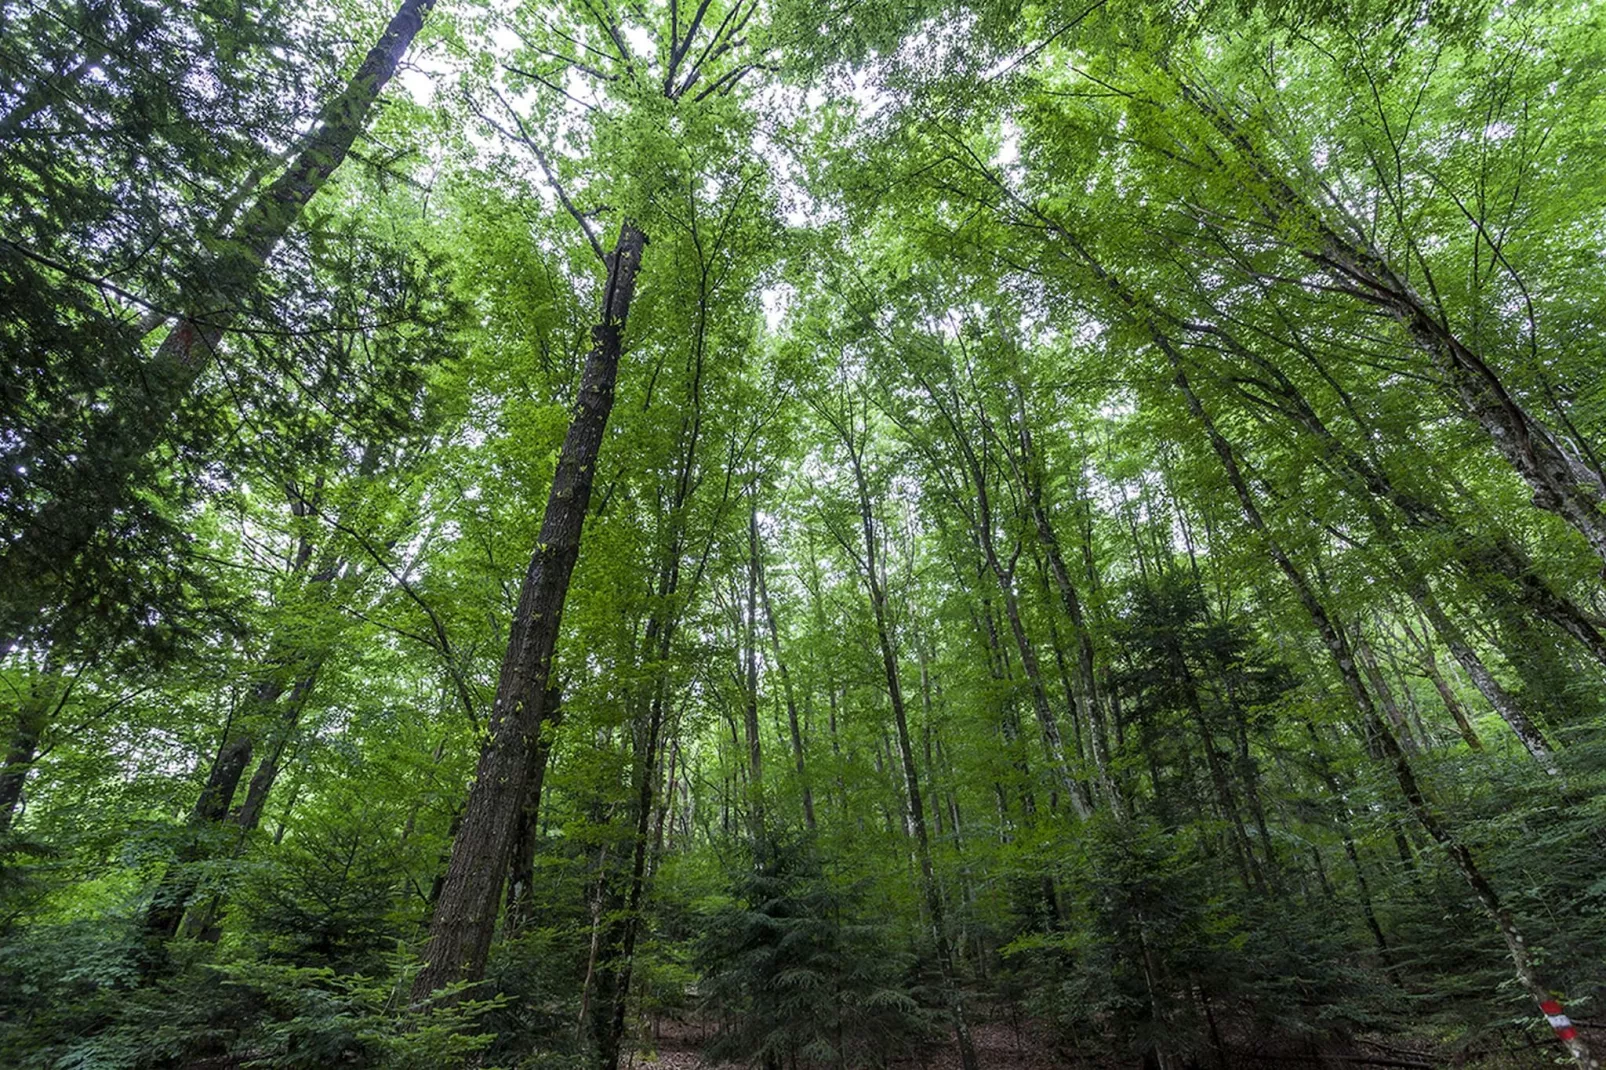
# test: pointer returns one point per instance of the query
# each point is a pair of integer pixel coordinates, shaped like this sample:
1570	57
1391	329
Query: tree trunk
33	717
1388	747
911	776
135	423
465	917
521	875
1029	476
1452	703
791	699
1385	695
1561	482
748	642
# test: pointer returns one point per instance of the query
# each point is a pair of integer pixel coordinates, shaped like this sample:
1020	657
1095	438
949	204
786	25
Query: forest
802	534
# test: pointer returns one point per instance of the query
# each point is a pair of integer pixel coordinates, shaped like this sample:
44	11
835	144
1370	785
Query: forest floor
1001	1045
998	1044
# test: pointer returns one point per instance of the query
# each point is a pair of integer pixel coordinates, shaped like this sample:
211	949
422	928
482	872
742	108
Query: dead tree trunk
465	917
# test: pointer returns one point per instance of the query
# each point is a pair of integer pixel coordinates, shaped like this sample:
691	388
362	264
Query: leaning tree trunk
1344	658
1561	482
465	916
521	874
139	420
1372	487
171	899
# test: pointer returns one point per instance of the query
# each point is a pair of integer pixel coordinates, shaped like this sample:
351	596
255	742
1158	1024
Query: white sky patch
639	39
777	300
1008	153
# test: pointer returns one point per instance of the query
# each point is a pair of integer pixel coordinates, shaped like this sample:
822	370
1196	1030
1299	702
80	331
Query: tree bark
521	875
465	917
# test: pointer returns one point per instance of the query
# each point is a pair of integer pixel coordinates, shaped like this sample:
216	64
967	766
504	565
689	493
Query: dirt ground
1000	1046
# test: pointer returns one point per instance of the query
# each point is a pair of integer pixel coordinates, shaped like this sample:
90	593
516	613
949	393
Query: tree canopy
837	534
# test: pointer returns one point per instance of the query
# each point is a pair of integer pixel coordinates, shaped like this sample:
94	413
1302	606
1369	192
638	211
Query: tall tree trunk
1388	747
748	643
1028	473
521	873
1385	695
465	917
615	956
791	699
982	520
1128	302
1372	486
911	775
136	422
171	899
1452	702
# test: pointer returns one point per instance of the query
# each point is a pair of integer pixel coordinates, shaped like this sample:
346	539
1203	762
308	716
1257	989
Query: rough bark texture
521	874
465	916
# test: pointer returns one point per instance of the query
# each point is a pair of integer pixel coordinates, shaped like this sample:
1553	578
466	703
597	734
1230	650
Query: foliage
1099	526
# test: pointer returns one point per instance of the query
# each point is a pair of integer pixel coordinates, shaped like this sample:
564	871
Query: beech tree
837	536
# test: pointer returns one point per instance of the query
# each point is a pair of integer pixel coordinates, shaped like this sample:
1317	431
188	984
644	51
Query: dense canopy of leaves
1094	552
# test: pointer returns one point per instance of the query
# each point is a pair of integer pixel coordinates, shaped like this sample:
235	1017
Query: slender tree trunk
1332	638
619	954
168	904
1452	703
1385	695
1388	747
249	813
911	776
791	699
1371	485
200	921
616	963
748	643
465	917
1029	475
1243	852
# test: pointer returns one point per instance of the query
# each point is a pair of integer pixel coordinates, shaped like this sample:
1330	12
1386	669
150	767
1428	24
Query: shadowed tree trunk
465	916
